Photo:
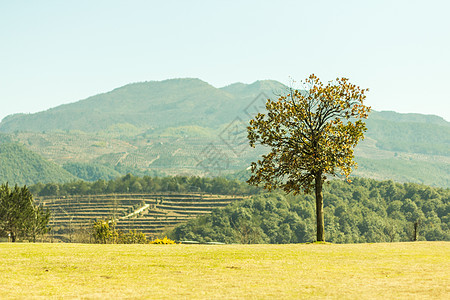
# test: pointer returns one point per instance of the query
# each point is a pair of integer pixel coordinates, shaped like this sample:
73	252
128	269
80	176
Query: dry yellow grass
357	271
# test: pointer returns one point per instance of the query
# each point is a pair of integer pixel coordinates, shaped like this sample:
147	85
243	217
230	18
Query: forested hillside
20	166
362	211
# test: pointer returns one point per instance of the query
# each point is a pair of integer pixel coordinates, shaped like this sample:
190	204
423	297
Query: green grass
356	271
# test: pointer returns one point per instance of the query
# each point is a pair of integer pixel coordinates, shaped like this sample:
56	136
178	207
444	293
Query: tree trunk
416	231
319	209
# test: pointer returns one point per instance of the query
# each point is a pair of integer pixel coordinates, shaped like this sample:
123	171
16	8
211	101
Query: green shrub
132	237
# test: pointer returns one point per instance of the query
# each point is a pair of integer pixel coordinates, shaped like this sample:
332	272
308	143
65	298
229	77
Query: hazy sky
55	52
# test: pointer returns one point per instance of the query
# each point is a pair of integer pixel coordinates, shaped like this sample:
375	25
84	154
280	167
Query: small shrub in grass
132	237
104	232
164	241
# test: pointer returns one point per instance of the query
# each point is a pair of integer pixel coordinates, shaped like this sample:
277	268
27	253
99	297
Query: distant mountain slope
155	104
403	170
268	87
186	126
162	104
398	169
91	172
408	118
415	133
18	165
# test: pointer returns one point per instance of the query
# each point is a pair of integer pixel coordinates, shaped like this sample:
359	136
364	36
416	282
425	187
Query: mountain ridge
171	126
139	104
149	104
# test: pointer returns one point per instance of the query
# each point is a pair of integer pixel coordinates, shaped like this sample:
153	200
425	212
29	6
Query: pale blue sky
55	52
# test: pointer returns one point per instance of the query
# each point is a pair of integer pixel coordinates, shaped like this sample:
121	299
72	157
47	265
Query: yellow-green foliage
132	237
104	232
164	241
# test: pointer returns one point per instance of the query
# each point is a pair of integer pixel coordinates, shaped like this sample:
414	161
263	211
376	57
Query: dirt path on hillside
137	211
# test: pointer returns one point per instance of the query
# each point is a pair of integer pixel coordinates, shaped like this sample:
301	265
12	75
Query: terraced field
172	155
151	214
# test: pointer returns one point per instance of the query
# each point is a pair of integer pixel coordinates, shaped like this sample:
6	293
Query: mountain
268	87
156	104
425	134
188	127
409	118
163	104
22	166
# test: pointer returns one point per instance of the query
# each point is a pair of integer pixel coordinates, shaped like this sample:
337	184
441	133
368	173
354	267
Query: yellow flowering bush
164	241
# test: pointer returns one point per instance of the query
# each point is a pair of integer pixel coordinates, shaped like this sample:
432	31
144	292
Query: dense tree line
147	184
362	211
20	217
95	171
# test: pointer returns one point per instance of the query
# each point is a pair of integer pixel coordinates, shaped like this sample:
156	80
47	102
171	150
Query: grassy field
356	271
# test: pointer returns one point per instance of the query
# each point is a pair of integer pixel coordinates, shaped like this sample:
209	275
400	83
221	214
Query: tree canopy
311	133
147	184
19	216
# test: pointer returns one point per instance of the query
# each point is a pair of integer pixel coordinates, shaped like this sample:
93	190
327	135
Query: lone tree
311	133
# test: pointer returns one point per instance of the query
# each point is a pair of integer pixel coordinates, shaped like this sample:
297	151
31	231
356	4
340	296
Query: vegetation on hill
147	184
188	131
18	165
120	130
91	171
4	138
413	137
393	116
362	211
431	173
95	171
